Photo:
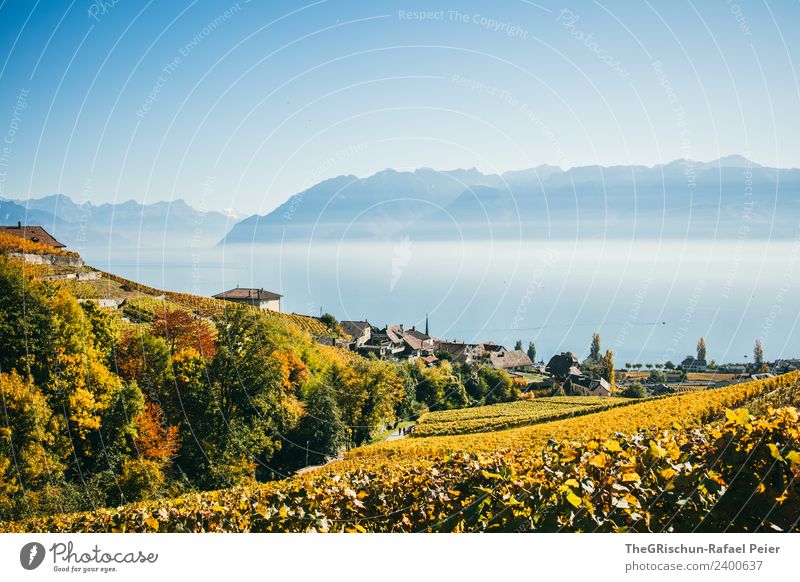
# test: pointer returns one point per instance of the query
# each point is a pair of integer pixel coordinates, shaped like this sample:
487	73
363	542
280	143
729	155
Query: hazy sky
242	104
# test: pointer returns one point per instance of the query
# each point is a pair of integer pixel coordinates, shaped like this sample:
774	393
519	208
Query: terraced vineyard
684	463
651	414
511	414
14	244
210	307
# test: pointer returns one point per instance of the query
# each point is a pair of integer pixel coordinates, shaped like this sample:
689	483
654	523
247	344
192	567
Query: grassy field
507	415
691	377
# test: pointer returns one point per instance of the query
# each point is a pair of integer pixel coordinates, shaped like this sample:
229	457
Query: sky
242	104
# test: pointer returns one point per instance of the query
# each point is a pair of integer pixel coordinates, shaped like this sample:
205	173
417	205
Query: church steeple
426	324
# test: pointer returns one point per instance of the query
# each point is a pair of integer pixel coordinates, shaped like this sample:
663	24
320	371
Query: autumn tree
145	359
79	384
29	459
105	330
607	369
181	330
155	440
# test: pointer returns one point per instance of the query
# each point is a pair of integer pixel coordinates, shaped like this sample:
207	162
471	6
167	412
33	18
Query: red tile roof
32	233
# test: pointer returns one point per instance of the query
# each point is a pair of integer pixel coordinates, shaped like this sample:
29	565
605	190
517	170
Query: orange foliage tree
181	330
155	440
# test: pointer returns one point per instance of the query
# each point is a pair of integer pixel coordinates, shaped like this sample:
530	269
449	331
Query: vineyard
688	408
507	415
689	466
210	307
14	244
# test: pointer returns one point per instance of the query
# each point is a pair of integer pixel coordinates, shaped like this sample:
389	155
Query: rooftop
248	293
32	233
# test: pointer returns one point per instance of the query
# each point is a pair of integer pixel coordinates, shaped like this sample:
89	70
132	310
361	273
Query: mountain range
172	224
727	198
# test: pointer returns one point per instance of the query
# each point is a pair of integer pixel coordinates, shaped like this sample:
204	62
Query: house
256	297
360	331
458	351
515	360
692	364
763	376
384	343
429	360
35	234
539	385
562	365
786	365
585	386
733	369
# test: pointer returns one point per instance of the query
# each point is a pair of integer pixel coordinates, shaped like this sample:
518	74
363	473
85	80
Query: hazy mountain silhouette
726	198
169	224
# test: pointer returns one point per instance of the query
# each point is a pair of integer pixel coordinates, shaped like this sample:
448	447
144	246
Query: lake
649	300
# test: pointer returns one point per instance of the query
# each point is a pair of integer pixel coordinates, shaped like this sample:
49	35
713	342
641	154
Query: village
563	373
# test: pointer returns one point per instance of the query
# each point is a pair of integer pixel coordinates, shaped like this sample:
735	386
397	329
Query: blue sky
240	105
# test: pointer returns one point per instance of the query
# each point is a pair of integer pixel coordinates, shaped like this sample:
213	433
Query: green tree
499	383
330	322
532	351
701	349
758	353
250	397
594	350
25	323
320	435
635	390
518	345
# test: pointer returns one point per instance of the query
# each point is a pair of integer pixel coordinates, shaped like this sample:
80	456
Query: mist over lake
650	300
